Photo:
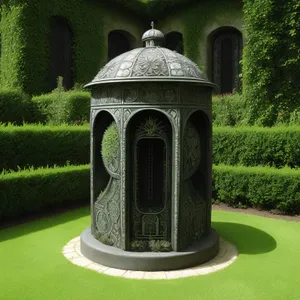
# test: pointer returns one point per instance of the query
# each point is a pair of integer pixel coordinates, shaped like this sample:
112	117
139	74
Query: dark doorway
151	159
174	41
61	53
119	41
226	55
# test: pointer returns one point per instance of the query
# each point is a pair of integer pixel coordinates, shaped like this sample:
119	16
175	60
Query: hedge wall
62	107
260	187
31	145
36	146
15	107
32	191
252	146
271	58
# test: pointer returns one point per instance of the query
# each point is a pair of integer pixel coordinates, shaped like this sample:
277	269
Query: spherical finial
153	37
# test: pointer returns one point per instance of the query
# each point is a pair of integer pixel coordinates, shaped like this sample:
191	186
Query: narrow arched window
174	41
226	55
61	53
119	41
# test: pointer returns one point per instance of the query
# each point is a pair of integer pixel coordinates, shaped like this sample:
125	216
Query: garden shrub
110	143
259	187
252	146
229	110
31	191
15	107
63	107
36	145
271	59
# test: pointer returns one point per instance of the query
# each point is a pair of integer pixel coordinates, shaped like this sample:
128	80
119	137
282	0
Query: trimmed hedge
271	58
32	191
33	145
15	107
252	146
63	107
260	187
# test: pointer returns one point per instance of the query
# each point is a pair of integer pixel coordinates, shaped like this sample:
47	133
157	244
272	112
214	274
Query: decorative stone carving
191	150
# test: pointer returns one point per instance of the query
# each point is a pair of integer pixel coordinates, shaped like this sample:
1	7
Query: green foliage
260	187
110	142
229	110
25	31
30	191
252	146
139	245
152	245
271	59
103	238
61	107
160	246
12	46
37	145
15	107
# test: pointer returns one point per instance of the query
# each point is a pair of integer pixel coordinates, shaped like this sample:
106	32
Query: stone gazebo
150	162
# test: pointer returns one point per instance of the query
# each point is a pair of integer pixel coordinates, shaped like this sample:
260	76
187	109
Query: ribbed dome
150	64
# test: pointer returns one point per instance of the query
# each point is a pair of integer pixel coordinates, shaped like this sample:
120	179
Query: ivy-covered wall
198	21
271	64
25	31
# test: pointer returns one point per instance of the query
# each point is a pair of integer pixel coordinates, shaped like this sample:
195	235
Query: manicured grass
268	267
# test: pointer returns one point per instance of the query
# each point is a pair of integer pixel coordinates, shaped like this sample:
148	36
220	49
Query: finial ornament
152	25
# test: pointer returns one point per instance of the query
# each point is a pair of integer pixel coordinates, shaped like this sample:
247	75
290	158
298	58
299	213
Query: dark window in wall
119	41
174	41
61	52
226	55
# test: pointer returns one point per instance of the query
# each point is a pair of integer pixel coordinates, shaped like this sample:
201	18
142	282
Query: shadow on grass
247	239
40	222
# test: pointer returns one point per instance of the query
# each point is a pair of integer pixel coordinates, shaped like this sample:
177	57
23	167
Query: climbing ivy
271	59
25	32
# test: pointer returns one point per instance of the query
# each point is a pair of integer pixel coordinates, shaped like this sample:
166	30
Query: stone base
113	257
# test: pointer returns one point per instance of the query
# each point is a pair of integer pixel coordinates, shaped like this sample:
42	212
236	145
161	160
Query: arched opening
119	41
224	54
174	41
61	53
100	175
149	148
195	190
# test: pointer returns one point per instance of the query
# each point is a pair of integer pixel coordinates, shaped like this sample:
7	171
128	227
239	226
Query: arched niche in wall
149	175
101	175
195	189
119	41
105	179
61	52
174	41
225	46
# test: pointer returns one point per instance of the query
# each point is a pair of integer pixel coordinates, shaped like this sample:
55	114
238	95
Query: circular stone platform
113	257
226	256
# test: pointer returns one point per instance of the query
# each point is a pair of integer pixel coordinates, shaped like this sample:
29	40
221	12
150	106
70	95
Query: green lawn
268	267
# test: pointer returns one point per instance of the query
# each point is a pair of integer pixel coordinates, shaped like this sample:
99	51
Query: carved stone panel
109	94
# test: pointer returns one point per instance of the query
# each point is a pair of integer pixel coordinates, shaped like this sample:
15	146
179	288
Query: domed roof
151	63
152	33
